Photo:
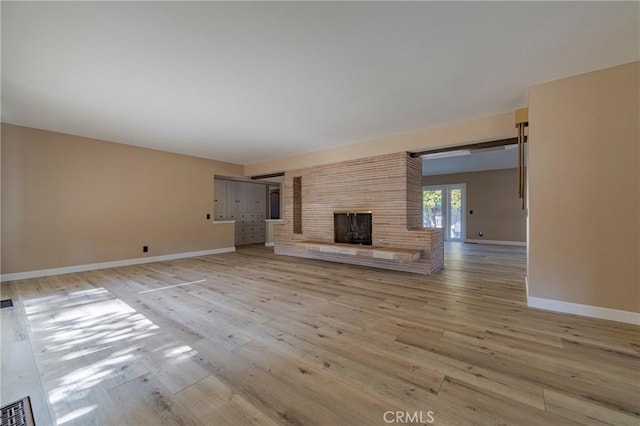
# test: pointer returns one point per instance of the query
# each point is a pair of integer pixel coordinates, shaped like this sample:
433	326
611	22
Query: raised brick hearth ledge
388	253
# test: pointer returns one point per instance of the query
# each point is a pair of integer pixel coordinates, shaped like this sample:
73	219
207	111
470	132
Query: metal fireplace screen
352	227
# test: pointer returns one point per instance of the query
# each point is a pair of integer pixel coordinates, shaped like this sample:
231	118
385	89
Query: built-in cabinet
219	200
244	202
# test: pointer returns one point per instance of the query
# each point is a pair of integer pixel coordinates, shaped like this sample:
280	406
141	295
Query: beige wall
482	129
69	200
493	197
584	185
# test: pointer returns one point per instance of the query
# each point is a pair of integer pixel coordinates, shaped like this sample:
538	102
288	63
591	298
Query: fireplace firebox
352	227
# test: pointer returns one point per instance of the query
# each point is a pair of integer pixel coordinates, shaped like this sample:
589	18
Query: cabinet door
262	201
242	196
258	198
233	207
219	199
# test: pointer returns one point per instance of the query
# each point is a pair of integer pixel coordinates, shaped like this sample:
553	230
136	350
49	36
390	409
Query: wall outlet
208	216
145	249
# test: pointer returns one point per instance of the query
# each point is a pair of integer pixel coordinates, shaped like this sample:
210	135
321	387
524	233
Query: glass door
432	207
444	207
455	212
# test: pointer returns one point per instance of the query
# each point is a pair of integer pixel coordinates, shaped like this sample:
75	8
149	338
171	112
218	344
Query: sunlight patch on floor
88	341
75	414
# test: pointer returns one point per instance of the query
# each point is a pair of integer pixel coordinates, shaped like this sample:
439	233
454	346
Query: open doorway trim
479	145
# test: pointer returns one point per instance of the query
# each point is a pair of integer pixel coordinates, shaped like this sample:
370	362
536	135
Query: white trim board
269	244
584	310
114	264
497	242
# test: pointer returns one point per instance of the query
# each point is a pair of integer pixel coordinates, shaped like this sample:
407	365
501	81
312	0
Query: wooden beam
479	145
271	175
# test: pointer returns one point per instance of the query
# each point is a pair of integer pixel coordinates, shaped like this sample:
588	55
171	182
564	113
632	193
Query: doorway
444	206
274	203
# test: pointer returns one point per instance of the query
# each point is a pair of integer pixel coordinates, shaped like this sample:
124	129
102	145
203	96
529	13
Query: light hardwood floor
254	338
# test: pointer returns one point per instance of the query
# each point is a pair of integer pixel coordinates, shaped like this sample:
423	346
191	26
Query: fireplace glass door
352	227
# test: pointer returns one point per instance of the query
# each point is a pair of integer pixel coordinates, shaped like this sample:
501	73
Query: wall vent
17	413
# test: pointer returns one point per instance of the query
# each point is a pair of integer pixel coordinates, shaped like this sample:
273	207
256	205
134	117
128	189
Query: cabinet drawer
256	237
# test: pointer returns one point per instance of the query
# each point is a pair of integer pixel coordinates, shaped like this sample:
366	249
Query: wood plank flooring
253	338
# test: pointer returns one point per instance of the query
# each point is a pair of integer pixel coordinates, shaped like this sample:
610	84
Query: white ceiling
246	82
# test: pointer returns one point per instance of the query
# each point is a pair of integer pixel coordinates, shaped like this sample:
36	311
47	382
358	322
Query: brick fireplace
387	186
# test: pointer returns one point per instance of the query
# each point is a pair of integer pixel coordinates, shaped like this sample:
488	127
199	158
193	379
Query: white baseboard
269	244
584	310
498	242
104	265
